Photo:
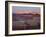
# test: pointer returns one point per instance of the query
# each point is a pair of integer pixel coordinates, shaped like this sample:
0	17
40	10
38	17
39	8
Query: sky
33	9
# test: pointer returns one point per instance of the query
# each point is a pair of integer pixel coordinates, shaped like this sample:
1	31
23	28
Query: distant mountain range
25	12
29	14
25	16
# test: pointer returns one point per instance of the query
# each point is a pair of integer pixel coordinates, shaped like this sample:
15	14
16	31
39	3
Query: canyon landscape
26	20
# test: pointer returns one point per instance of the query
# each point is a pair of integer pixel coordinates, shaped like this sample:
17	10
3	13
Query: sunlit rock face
24	20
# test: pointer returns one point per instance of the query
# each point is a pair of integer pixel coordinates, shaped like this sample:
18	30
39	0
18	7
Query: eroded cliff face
25	19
